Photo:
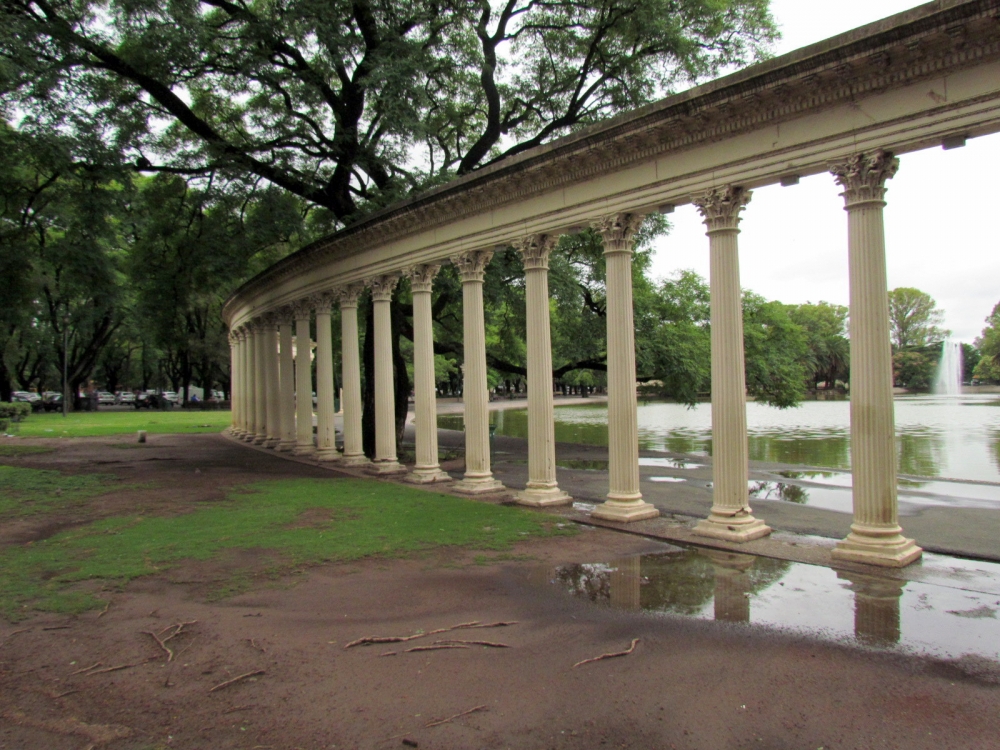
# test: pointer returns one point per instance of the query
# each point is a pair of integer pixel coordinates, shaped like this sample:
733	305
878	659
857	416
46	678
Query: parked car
171	397
126	397
153	401
103	397
52	401
26	397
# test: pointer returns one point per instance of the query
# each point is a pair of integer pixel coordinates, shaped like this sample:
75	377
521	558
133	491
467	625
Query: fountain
949	374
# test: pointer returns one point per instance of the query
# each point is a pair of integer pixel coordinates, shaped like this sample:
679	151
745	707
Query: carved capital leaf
302	309
721	207
421	277
322	302
349	294
285	315
535	250
472	265
382	287
863	176
617	230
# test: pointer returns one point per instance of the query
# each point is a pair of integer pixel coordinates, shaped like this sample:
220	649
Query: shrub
12	412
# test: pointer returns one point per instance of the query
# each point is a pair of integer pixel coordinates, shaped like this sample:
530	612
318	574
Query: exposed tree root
456	716
612	655
233	681
403	638
488	644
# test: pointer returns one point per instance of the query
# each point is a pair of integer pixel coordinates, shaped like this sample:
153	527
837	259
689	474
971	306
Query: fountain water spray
949	374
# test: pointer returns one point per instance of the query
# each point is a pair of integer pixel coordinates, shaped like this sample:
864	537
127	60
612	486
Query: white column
326	443
259	383
730	518
624	501
350	359
478	477
876	536
304	445
273	401
427	468
234	378
286	379
251	383
542	487
385	401
246	384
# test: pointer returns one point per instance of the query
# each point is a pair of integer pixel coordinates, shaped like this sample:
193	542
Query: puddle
911	616
585	507
913	494
670	463
828	498
665	479
584	465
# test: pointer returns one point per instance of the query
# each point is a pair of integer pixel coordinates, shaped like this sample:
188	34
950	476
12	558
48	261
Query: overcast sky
941	236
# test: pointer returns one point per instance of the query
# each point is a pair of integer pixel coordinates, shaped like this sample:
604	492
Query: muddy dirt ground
687	684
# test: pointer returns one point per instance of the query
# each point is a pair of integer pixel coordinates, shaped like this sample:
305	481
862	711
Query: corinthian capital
617	230
302	309
421	277
863	176
535	250
721	207
382	287
349	294
472	265
322	302
285	315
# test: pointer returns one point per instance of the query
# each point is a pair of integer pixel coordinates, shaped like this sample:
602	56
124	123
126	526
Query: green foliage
914	319
29	492
304	522
825	328
775	348
93	424
988	367
914	369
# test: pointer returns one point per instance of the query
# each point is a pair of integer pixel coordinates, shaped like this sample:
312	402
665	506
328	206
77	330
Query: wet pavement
951	612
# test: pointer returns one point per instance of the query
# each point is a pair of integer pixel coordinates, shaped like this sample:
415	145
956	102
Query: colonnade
274	409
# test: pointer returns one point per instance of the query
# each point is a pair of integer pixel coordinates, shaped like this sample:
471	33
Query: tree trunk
368	380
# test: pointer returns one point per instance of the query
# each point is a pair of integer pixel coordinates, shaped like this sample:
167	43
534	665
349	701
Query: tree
776	351
351	104
914	319
825	328
988	367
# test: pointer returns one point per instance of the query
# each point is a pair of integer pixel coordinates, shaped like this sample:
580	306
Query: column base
258	439
327	454
625	511
285	446
358	459
478	485
427	475
304	450
271	442
888	551
735	527
385	468
541	497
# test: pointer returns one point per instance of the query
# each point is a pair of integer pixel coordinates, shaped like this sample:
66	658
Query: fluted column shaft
875	534
246	384
304	445
475	395
624	501
326	444
730	518
260	383
427	468
251	384
385	392
239	388
286	376
542	487
351	374
234	382
273	404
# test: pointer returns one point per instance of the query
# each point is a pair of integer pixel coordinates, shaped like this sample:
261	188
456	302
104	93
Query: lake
956	437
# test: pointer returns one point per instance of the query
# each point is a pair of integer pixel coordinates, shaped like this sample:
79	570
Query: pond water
956	437
951	612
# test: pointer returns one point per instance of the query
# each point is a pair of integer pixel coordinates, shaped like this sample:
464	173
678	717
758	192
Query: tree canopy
914	319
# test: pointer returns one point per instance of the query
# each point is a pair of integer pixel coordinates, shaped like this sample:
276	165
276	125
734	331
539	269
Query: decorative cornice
721	207
382	287
349	294
926	42
421	277
535	250
472	265
617	231
863	177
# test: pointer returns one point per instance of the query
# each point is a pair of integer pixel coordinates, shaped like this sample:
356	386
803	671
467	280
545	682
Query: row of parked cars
52	400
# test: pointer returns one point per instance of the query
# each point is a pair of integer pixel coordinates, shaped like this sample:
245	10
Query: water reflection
876	608
952	611
936	435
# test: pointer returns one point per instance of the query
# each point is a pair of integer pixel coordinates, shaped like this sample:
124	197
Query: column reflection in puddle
625	579
876	608
733	584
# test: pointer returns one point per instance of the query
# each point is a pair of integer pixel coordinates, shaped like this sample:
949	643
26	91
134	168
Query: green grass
12	450
28	492
93	424
344	520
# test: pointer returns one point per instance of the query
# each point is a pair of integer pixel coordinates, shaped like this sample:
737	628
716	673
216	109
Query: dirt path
688	684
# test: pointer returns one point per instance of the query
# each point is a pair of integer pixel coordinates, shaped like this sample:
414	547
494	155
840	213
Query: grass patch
28	492
12	450
96	424
345	520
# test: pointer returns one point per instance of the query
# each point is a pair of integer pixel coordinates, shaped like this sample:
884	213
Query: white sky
940	233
